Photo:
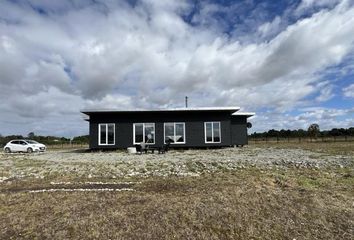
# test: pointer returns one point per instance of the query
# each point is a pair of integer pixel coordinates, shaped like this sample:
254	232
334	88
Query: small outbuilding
181	127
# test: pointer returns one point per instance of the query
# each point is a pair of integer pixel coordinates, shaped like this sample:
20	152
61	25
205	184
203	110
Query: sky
291	62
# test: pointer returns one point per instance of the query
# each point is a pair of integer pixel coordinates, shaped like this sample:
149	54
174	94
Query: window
144	132
175	133
212	132
106	134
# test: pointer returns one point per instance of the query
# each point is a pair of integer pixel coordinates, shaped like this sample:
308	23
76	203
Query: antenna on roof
186	102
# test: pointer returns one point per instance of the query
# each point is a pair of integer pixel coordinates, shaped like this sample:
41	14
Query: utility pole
186	102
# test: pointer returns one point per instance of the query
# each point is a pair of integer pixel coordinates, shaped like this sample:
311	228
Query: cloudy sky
292	62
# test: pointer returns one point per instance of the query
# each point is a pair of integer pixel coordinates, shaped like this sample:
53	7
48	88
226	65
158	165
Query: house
182	127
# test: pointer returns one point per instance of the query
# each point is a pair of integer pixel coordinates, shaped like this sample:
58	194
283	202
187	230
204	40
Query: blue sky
289	61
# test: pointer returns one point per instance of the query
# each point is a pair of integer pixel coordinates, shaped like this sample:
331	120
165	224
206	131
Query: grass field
332	148
251	202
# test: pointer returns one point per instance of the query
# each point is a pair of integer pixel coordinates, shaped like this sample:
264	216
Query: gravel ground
180	163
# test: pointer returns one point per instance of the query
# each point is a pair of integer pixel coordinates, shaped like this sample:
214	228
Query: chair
141	148
164	148
138	148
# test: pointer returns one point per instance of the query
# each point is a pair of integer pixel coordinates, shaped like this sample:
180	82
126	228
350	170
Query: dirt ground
255	192
119	164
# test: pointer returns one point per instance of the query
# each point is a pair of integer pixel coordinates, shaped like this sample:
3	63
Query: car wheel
7	150
29	150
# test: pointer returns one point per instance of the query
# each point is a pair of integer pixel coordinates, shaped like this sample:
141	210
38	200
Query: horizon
250	133
292	63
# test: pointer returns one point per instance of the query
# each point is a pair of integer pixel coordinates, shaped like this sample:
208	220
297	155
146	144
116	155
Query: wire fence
262	140
67	146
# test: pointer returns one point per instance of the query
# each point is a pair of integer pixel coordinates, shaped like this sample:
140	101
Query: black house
182	127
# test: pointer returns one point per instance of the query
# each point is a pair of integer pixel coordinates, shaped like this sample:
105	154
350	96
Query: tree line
47	140
310	132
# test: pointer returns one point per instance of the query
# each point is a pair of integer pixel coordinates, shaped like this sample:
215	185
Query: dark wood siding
239	130
194	127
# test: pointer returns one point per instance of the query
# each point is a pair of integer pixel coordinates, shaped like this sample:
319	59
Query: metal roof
247	114
229	109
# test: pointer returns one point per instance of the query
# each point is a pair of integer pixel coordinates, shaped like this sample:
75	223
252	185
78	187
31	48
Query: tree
273	133
31	135
301	133
313	130
81	139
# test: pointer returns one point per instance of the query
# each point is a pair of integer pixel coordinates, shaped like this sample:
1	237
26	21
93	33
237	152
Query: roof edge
247	114
231	109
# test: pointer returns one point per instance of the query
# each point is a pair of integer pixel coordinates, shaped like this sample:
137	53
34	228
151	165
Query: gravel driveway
180	163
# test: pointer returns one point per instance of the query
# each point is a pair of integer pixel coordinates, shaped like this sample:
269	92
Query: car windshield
31	142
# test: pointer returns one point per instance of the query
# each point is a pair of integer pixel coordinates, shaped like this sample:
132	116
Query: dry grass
331	148
247	203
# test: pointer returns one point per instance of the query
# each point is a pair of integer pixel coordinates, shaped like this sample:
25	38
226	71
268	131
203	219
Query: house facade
184	127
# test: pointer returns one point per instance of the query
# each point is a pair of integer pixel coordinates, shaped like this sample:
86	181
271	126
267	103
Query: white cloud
306	5
270	28
117	55
326	93
119	102
349	91
327	118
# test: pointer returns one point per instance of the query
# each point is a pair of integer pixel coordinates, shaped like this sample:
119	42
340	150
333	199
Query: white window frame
212	132
174	132
99	134
143	133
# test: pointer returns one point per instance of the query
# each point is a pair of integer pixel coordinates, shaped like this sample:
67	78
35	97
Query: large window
212	132
106	134
144	132
175	133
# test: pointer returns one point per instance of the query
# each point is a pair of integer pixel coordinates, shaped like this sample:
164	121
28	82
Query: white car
22	145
